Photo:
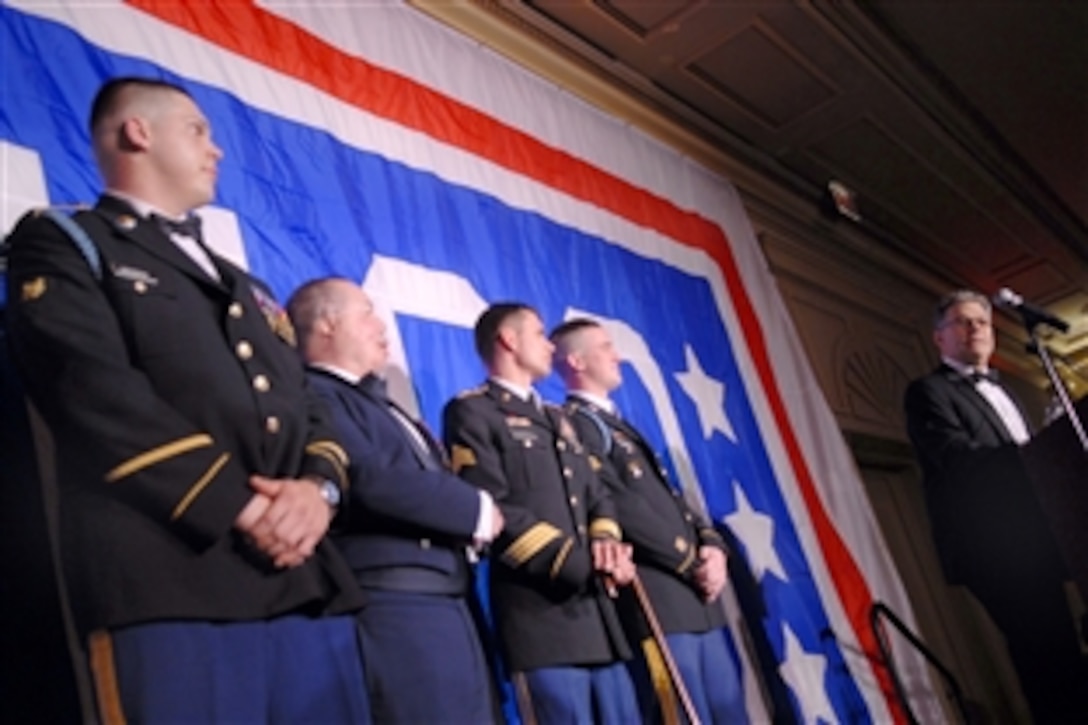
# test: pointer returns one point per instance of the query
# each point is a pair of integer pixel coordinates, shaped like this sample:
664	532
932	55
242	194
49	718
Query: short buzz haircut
957	297
562	338
486	332
562	333
310	303
110	95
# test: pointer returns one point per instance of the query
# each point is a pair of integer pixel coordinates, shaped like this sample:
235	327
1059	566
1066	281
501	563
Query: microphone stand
1036	346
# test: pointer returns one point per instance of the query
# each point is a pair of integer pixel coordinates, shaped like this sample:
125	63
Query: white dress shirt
998	399
601	402
192	249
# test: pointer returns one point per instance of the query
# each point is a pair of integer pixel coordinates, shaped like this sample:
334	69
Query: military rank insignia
33	289
125	222
461	457
472	392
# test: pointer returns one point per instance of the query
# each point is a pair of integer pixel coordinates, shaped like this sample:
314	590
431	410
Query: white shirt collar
347	377
601	402
961	368
524	393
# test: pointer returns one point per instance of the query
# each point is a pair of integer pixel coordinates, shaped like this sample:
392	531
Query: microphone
1032	314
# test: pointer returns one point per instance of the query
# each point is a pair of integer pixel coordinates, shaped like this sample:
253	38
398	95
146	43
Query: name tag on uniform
527	437
133	274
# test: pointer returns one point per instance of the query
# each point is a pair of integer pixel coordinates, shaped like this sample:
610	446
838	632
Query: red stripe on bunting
241	27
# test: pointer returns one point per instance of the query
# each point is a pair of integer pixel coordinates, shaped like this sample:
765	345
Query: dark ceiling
962	125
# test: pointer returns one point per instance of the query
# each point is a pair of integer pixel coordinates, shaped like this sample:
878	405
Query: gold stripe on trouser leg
104	673
659	676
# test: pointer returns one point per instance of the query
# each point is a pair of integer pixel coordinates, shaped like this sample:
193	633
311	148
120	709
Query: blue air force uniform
404	531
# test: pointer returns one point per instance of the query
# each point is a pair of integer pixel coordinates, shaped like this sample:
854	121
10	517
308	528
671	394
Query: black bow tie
979	375
375	386
188	227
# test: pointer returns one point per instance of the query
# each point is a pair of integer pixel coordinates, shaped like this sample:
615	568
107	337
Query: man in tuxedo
989	529
681	559
558	557
408	524
197	472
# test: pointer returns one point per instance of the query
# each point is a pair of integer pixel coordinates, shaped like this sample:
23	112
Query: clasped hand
285	519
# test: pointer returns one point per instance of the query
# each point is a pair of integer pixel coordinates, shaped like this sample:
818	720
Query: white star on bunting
756	531
804	673
708	395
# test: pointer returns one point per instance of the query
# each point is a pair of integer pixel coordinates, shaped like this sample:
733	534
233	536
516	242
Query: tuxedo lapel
964	389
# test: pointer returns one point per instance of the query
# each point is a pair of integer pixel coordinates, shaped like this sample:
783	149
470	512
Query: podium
1057	466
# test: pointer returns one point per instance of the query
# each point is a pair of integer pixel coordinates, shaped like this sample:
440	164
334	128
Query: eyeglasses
967	322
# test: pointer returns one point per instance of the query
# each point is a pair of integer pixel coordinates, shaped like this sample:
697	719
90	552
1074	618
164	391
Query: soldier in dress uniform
197	472
560	553
681	559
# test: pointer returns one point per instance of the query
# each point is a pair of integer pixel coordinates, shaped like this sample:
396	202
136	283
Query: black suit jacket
165	390
984	513
665	532
548	607
404	509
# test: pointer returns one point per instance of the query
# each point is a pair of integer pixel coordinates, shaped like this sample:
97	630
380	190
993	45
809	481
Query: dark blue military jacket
549	609
165	390
664	530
